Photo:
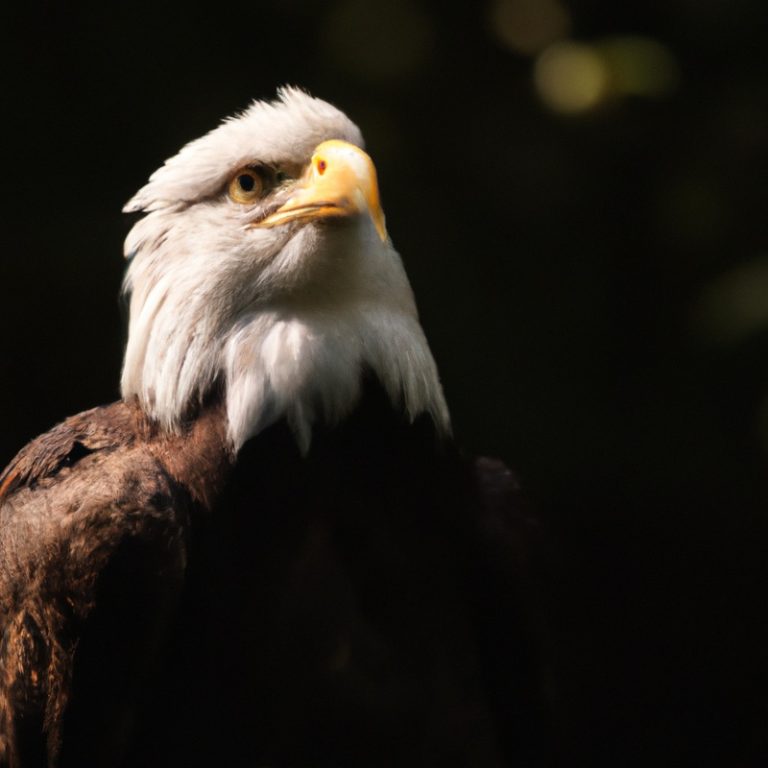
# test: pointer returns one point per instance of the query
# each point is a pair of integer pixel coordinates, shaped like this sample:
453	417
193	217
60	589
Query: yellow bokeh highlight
571	77
640	66
528	26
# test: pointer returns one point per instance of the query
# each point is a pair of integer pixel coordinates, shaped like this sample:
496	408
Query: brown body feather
70	500
162	605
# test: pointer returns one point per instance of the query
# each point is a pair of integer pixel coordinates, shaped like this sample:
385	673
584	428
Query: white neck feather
298	356
308	367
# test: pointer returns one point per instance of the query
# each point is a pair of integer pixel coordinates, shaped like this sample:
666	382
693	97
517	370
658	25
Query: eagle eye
247	186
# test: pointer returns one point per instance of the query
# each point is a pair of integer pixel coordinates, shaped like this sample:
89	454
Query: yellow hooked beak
339	181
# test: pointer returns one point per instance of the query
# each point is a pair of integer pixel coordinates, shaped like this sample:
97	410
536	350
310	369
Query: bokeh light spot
734	306
381	42
528	26
571	77
640	66
576	77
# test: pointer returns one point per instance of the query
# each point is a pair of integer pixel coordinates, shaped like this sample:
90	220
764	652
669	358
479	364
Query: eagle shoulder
99	429
90	478
506	585
504	520
93	517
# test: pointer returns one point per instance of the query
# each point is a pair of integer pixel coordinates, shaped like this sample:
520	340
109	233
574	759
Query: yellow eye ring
246	186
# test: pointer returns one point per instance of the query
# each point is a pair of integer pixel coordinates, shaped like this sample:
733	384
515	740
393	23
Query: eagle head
262	267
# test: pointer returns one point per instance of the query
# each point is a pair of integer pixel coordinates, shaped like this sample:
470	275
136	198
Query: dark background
594	283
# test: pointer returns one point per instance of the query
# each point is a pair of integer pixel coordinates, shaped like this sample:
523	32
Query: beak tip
382	230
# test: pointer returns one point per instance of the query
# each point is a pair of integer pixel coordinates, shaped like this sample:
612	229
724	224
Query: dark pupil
247	183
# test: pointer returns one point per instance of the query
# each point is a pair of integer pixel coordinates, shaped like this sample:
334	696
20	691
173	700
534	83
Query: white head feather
284	318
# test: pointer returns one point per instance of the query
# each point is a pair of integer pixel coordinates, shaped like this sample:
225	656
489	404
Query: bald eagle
269	551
